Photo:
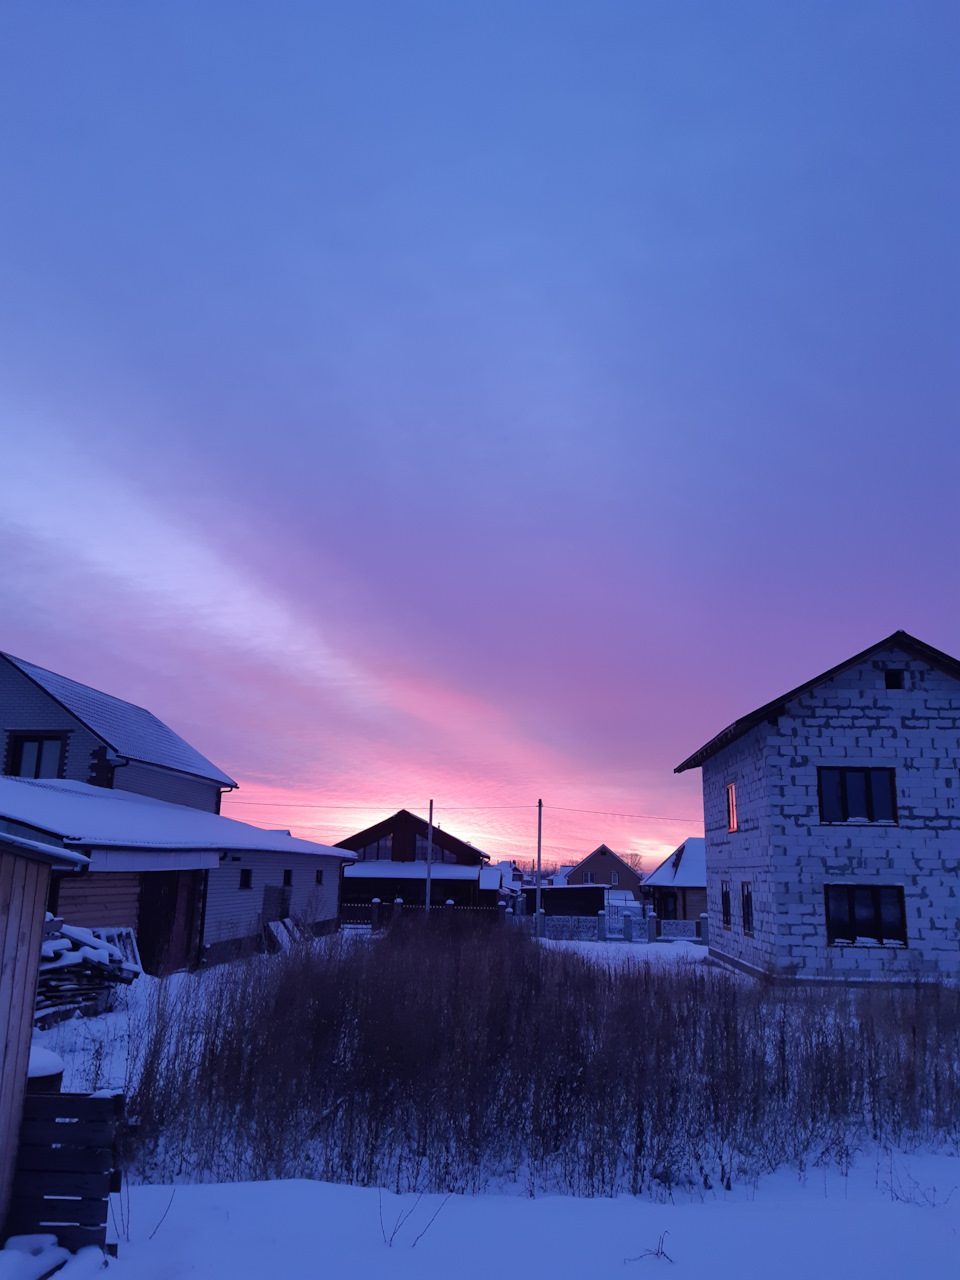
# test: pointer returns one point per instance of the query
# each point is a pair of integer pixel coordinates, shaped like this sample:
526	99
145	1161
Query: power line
463	808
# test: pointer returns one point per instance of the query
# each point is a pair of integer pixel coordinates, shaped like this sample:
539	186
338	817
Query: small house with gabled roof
832	823
605	867
678	887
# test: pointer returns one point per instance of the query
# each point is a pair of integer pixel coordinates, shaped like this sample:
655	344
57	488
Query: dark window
36	756
668	906
731	806
865	912
246	878
588	877
287	879
319	877
893	679
614	877
725	902
746	906
857	795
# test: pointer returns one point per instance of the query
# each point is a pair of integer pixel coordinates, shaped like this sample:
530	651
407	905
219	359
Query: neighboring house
832	819
391	863
605	867
25	867
678	887
237	877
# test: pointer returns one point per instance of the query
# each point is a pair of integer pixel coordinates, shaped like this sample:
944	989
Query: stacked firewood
79	969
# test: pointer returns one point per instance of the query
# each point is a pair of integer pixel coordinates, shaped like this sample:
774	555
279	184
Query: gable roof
901	640
129	730
685	868
408	826
605	849
88	817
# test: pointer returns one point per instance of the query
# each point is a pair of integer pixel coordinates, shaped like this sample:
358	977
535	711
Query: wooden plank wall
23	897
100	897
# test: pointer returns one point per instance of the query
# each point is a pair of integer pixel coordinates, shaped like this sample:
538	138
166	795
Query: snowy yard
827	1226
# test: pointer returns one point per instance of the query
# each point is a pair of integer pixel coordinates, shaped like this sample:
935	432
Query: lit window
731	806
746	906
857	795
725	902
869	913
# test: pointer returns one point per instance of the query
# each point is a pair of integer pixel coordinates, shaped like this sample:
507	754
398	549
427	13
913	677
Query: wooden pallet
66	1168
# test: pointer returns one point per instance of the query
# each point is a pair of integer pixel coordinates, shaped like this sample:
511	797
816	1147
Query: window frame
871	772
880	937
726	914
17	740
746	907
733	823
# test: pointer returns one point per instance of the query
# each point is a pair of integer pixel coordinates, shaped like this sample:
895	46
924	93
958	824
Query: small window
319	877
731	806
246	878
893	679
288	879
614	877
857	795
725	902
588	877
873	914
36	756
746	906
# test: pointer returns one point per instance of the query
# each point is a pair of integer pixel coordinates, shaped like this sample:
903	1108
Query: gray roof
686	868
129	730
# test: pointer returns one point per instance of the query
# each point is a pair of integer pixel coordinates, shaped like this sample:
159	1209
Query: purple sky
482	401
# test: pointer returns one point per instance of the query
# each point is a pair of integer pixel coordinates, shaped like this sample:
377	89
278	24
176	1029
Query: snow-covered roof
97	818
384	869
130	731
686	868
61	859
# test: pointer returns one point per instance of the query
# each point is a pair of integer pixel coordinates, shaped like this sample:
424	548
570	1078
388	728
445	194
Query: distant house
605	867
678	887
832	819
85	771
391	863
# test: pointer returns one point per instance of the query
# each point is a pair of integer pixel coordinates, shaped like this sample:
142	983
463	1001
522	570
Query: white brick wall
851	720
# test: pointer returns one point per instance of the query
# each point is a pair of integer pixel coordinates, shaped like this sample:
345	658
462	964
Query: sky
475	401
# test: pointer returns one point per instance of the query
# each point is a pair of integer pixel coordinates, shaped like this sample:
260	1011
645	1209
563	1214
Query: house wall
165	784
23	896
25	708
233	913
602	864
742	855
854	720
96	898
691	902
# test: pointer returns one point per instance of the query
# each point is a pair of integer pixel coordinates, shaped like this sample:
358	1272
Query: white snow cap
686	868
97	818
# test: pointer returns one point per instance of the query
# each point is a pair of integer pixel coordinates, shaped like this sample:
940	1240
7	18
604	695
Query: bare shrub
445	1056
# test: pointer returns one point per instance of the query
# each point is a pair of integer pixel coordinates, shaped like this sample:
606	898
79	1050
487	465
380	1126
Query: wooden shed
24	879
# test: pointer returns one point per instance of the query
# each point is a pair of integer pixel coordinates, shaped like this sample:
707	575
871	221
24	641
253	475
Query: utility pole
429	851
539	836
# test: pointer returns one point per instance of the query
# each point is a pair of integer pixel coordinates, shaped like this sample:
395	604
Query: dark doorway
168	918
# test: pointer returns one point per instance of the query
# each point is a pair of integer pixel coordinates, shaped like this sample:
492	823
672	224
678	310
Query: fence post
501	911
542	923
601	925
375	914
705	928
627	927
652	927
448	905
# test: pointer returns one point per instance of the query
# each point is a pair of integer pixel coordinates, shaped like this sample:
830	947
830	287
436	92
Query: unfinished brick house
832	822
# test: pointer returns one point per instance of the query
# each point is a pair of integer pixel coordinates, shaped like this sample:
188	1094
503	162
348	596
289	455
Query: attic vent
893	679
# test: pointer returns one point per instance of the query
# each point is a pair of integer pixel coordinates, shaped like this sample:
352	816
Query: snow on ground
618	954
827	1226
